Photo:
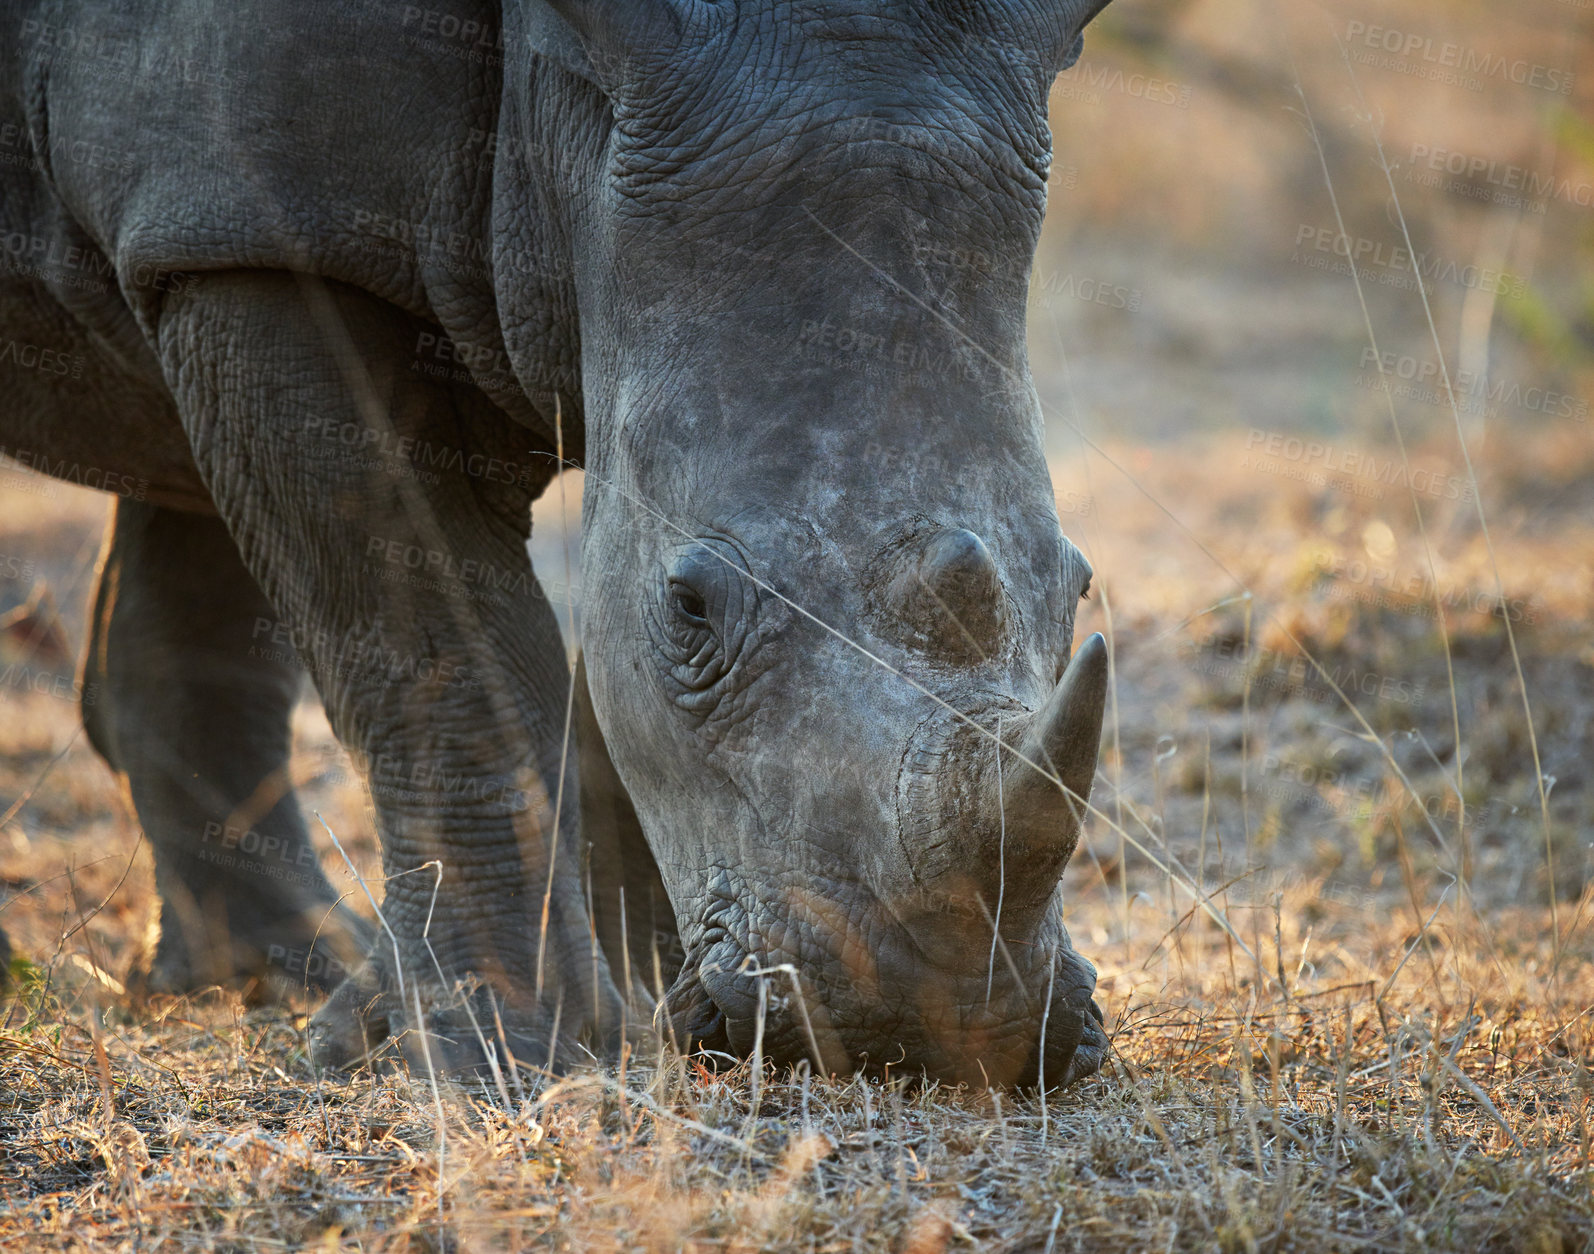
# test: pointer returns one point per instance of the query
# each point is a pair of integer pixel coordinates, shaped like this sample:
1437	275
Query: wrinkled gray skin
716	253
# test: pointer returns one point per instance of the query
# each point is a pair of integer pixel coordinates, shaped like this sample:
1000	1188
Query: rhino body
327	294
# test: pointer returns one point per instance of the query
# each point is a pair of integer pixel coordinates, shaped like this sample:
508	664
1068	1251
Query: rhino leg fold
189	701
386	514
463	1029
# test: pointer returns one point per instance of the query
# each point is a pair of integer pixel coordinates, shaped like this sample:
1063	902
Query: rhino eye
700	619
688	604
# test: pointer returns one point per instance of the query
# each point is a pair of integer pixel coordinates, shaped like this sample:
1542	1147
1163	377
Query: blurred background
1327	594
1354	665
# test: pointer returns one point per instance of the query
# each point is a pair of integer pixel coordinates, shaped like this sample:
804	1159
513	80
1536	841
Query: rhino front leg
189	700
386	517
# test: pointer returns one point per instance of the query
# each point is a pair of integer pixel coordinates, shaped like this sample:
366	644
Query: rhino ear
1073	54
1087	11
553	39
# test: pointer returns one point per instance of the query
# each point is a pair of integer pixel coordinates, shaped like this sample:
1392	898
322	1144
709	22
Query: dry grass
1291	1104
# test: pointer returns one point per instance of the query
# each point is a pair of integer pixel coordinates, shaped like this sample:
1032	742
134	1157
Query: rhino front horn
1062	739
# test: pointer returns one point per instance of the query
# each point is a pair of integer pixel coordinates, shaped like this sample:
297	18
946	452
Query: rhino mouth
729	1004
693	1020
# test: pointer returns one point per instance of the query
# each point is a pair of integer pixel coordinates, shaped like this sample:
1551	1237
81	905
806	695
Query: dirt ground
1340	880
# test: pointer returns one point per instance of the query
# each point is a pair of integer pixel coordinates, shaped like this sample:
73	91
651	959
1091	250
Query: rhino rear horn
951	596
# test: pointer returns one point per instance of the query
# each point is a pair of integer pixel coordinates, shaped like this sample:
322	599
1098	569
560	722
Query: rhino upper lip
693	1015
694	1018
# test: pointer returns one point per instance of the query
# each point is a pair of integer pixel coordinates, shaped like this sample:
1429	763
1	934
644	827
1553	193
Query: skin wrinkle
729	662
844	944
777	950
708	149
896	549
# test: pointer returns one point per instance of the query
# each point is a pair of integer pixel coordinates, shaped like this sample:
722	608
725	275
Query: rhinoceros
326	295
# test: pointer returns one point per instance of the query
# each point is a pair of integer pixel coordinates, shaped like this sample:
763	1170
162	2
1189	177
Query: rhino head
830	609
